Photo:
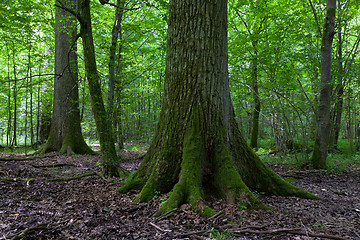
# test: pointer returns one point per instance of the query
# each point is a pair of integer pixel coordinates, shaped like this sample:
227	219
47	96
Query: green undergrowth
221	235
136	146
339	161
18	149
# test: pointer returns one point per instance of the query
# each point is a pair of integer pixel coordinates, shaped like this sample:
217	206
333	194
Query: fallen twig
70	178
317	235
53	165
159	228
216	215
192	233
29	230
279	230
165	215
296	231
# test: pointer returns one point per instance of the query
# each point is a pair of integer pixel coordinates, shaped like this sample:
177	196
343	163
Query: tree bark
257	103
198	147
65	130
114	73
324	124
110	160
15	90
339	91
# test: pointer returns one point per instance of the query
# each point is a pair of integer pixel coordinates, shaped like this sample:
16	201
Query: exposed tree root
71	178
7	179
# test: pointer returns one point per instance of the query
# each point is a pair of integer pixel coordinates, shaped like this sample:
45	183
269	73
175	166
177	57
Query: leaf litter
91	207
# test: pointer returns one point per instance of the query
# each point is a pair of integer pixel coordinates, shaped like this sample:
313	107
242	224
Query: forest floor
32	207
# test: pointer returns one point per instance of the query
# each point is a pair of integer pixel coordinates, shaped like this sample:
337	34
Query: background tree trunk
114	75
324	124
198	147
65	128
257	103
339	92
110	160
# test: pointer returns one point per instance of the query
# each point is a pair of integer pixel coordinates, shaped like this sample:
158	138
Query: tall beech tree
324	123
114	74
198	147
65	131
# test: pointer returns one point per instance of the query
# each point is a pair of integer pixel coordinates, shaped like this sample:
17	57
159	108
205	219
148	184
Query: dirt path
91	208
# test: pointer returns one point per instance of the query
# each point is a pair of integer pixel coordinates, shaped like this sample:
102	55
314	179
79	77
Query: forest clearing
91	207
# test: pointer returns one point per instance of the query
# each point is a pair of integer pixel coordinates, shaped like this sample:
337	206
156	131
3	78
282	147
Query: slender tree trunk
14	140
31	115
115	73
257	103
324	124
198	147
8	131
339	91
28	83
110	160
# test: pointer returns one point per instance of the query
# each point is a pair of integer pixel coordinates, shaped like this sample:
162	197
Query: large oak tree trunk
65	130
324	124
198	147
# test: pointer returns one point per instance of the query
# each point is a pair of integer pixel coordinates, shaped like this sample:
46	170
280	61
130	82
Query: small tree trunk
339	91
114	73
323	131
257	106
8	131
14	140
110	160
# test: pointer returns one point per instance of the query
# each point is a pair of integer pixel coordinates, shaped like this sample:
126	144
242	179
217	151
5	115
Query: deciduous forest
179	119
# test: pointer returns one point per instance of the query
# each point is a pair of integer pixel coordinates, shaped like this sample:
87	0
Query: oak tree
65	131
198	147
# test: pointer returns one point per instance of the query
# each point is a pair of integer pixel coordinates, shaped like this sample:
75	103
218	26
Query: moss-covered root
110	164
265	180
7	179
275	185
227	181
189	187
114	171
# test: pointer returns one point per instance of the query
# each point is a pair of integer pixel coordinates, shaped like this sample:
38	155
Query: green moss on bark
189	187
226	178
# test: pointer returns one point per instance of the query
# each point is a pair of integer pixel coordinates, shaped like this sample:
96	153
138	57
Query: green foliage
220	235
285	35
343	162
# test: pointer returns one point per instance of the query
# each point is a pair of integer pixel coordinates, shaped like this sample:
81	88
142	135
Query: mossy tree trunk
110	160
319	156
115	75
65	131
198	147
